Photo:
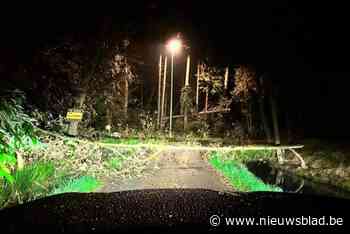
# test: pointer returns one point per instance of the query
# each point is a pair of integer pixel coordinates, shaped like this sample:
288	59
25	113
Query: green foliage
199	128
147	124
99	114
244	155
211	79
186	99
16	131
47	121
13	120
83	184
127	141
31	182
244	92
237	134
115	163
17	137
245	83
6	161
240	177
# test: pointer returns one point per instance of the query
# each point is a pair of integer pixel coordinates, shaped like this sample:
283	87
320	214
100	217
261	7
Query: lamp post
174	46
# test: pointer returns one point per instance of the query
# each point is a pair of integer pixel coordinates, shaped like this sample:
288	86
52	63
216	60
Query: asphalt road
174	168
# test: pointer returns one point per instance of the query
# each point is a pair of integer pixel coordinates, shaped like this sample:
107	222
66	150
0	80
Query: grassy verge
40	179
244	155
83	184
126	141
31	182
239	176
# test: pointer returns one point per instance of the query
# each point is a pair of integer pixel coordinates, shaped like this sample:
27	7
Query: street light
174	46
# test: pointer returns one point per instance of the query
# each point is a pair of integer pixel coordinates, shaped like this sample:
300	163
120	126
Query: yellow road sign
73	115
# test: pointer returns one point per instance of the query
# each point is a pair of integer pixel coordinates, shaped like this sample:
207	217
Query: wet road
174	168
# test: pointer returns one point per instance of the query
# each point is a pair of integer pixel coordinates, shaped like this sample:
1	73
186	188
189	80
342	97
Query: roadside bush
237	134
218	125
199	128
147	124
48	121
245	155
16	132
29	183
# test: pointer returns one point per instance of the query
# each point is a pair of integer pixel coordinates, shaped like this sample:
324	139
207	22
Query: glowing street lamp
174	46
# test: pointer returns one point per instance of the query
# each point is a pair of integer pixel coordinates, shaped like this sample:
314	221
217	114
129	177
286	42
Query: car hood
162	209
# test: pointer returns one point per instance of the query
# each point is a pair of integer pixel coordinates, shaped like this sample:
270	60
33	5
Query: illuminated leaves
245	83
211	79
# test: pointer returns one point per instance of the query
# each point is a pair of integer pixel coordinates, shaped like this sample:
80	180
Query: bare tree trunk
108	116
226	78
166	103
171	97
274	111
250	119
263	117
163	93
197	89
266	127
126	98
159	90
206	101
187	78
206	104
141	93
288	127
185	118
275	119
79	102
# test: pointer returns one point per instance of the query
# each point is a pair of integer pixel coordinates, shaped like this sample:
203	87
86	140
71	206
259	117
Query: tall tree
211	82
79	71
245	88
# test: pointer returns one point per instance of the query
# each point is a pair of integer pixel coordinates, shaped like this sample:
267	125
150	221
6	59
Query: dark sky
289	34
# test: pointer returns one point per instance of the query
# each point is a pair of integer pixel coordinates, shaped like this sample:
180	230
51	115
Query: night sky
305	46
308	35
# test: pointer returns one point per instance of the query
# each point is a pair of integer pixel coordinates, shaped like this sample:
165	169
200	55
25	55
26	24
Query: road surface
174	168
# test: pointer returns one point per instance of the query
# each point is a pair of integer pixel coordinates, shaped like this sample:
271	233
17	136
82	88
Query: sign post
74	116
